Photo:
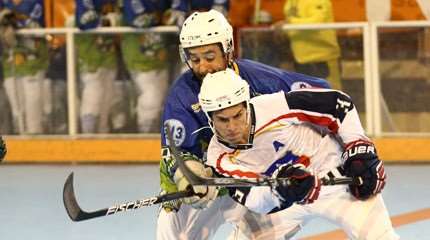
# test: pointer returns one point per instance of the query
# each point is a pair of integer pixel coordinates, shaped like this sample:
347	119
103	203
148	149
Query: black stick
76	213
236	182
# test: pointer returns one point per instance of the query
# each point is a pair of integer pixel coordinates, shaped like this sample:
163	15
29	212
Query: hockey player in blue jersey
206	46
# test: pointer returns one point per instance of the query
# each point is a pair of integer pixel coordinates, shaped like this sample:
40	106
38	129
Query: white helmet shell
203	28
221	90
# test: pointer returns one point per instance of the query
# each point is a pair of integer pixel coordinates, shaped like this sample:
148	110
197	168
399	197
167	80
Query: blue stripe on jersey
289	157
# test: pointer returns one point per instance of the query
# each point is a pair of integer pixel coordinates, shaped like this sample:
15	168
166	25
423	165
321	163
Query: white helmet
221	90
203	28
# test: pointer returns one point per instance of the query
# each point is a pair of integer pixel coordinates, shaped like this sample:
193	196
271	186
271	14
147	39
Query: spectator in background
58	14
97	63
145	56
6	126
316	52
24	65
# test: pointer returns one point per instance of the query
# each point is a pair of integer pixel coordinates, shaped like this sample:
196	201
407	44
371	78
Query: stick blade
69	199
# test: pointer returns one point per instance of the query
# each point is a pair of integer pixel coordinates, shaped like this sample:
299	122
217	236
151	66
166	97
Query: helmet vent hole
209	34
216	32
211	20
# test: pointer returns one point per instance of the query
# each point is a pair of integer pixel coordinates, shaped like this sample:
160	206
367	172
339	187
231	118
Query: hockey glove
2	149
360	160
302	187
204	194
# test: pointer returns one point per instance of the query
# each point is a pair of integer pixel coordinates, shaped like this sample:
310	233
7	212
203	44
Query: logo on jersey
343	105
277	145
196	107
177	129
299	85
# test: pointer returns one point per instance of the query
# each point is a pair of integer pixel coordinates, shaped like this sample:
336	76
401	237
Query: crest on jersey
196	107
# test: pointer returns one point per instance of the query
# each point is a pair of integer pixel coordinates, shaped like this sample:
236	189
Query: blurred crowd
123	78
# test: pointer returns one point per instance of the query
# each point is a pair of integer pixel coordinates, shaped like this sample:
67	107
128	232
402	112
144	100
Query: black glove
2	149
360	160
303	187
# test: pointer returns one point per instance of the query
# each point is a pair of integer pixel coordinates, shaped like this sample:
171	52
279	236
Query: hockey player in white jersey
305	135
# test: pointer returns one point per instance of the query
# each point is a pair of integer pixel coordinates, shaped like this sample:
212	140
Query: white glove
208	193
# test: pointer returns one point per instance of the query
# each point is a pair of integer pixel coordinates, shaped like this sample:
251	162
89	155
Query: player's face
206	59
231	124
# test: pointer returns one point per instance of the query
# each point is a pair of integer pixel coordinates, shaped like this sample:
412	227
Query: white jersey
286	134
307	126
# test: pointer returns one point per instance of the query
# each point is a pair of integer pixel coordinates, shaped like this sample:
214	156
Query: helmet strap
248	145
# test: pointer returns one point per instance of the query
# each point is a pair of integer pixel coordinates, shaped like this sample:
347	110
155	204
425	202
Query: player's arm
264	79
87	16
35	16
303	187
335	111
141	14
183	126
175	13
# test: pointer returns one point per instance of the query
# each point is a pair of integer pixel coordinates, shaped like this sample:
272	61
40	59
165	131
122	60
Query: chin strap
250	135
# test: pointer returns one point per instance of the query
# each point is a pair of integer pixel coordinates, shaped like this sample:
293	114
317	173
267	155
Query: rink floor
32	207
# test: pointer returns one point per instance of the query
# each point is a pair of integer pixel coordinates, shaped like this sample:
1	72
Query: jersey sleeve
259	199
333	110
36	17
184	126
264	79
86	14
140	8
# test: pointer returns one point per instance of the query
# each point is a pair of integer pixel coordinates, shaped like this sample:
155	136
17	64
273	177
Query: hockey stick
76	213
235	182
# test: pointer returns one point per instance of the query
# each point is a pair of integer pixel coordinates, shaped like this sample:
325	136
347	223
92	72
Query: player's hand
204	194
360	160
145	20
302	187
3	149
89	16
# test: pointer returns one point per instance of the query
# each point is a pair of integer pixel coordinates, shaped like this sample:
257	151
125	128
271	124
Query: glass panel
123	80
336	55
405	79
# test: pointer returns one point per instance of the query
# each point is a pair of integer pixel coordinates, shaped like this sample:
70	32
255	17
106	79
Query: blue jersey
189	124
135	8
189	5
88	12
28	13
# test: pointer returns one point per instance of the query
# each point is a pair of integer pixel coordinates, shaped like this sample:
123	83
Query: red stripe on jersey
328	122
234	172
